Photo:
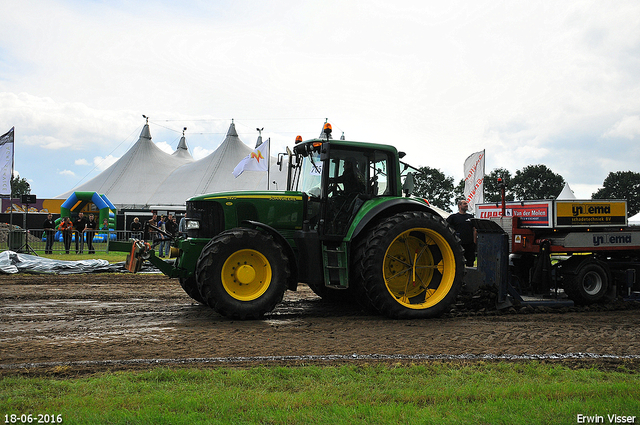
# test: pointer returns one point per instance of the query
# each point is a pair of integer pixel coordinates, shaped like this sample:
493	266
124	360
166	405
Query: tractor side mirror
408	185
279	163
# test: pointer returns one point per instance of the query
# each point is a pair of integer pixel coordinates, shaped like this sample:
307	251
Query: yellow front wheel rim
246	275
419	268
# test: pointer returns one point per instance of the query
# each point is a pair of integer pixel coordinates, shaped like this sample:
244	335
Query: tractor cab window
353	178
338	184
311	175
347	175
379	174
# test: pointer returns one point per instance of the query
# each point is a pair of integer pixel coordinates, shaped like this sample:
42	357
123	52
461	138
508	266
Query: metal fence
27	241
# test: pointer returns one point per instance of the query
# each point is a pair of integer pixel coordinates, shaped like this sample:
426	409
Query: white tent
566	193
213	174
635	220
182	151
146	176
130	181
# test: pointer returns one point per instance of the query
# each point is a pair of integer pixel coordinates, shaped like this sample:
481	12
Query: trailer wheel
190	286
589	285
242	273
411	266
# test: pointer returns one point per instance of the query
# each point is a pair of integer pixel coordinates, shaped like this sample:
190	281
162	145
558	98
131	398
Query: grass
111	257
440	393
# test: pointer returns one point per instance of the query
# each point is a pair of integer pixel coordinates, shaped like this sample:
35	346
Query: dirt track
114	321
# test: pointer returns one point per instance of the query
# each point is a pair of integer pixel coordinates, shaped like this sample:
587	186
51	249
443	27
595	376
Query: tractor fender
381	207
293	277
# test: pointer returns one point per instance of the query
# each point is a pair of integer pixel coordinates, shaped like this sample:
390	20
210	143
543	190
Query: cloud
628	128
103	163
200	152
81	161
67	173
165	147
531	82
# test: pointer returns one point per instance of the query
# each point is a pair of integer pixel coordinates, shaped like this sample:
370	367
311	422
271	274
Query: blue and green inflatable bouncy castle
106	209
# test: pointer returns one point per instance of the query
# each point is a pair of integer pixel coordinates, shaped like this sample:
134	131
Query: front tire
190	286
411	266
242	273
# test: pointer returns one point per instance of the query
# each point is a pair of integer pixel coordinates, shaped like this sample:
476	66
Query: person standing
182	227
463	225
136	227
90	230
66	228
161	238
149	231
171	227
79	224
49	227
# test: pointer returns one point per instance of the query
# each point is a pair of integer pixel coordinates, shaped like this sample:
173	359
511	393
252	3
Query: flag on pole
6	162
474	179
257	160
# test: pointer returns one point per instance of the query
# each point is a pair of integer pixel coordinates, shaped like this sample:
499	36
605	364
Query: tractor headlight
192	224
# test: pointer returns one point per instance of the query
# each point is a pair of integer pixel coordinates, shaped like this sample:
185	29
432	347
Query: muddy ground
73	324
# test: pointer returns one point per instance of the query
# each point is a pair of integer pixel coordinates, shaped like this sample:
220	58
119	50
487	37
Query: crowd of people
158	230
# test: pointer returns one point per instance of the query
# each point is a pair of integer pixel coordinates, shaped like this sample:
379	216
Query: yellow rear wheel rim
246	274
419	268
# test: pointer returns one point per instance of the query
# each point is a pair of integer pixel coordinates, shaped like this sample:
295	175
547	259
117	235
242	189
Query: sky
530	82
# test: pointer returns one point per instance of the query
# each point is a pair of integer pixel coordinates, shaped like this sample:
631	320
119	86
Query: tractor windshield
310	174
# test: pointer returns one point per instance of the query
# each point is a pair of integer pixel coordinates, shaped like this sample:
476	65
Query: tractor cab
339	177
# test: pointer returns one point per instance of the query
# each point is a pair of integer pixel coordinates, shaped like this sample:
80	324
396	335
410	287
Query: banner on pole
257	160
6	162
474	179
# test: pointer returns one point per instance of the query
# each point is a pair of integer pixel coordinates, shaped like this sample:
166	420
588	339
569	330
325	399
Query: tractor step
335	261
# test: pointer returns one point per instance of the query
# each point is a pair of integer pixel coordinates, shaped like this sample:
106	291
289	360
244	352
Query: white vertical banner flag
474	179
6	162
257	160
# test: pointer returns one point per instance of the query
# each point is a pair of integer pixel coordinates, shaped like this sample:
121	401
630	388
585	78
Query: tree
621	185
492	191
435	186
19	187
536	182
458	193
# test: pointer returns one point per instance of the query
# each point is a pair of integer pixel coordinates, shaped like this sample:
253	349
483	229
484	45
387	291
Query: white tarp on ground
13	262
146	176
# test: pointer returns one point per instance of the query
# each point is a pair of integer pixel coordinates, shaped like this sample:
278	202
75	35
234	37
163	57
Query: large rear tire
242	273
411	266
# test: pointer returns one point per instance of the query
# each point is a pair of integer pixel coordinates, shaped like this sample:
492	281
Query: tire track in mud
322	359
125	320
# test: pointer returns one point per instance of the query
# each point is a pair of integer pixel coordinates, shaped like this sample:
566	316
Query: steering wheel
334	188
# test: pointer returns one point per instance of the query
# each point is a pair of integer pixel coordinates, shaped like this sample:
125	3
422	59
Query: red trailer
584	247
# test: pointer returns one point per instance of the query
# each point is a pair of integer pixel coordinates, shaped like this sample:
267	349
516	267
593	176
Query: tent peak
182	144
566	193
145	133
232	130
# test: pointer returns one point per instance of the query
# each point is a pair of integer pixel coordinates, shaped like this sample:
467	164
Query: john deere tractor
346	226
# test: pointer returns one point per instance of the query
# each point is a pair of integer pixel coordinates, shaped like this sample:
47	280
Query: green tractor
343	227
